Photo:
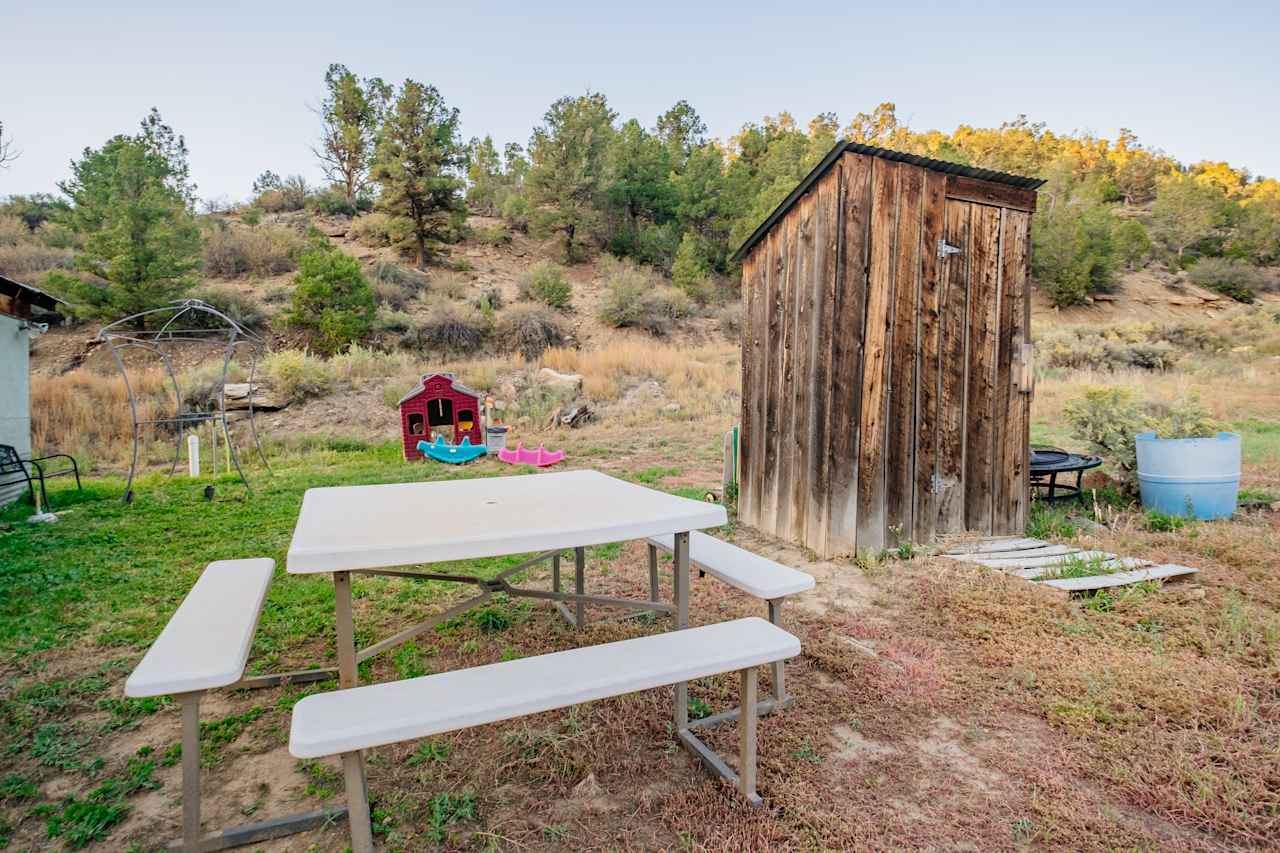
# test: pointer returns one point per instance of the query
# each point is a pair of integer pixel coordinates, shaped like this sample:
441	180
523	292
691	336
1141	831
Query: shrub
55	235
331	202
530	331
636	299
730	320
288	195
240	307
1132	244
269	250
13	230
332	299
1236	279
494	235
1109	419
545	282
297	375
691	272
373	230
450	330
488	301
449	285
251	216
516	210
24	259
1074	253
395	286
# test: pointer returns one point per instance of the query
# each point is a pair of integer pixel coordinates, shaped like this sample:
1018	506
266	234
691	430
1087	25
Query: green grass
114	572
1075	566
1259	441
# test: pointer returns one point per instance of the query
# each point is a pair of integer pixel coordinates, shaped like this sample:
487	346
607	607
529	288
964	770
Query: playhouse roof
422	386
841	147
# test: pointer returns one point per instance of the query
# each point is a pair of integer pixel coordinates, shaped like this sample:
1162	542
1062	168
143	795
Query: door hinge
945	248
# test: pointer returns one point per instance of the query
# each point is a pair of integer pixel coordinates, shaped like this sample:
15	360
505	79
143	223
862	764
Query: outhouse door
980	478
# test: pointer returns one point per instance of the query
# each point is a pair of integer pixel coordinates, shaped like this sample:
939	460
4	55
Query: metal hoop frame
127	333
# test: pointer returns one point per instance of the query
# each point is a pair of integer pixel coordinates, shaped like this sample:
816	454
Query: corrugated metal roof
48	301
841	147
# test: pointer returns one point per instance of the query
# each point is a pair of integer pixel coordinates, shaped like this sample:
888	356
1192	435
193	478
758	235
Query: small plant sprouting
1159	522
698	708
433	751
806	752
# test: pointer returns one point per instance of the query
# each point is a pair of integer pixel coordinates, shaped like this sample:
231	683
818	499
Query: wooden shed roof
841	147
14	293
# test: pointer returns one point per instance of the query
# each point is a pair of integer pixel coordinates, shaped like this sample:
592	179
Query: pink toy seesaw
540	458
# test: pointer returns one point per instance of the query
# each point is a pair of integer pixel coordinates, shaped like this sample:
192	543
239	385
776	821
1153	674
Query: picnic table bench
204	646
757	576
347	722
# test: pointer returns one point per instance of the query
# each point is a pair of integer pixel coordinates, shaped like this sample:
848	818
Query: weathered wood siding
880	399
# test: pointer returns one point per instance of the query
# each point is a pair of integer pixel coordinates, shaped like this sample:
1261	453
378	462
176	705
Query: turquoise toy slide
451	453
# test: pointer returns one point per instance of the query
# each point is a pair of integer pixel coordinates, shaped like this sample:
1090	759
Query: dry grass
87	414
703	376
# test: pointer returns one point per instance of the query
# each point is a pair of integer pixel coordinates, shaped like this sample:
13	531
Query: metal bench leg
555	573
357	802
580	585
653	573
190	771
747	736
779	667
680	594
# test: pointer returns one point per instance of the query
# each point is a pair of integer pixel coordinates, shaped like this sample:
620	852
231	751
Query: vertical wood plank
952	373
979	408
747	499
825	248
871	470
901	387
769	472
786	376
849	315
801	390
1012	406
933	212
760	366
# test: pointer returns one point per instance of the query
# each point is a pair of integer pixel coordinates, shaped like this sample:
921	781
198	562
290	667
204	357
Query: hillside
474	267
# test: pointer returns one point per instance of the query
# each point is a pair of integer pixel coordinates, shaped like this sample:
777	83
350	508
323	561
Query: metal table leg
347	673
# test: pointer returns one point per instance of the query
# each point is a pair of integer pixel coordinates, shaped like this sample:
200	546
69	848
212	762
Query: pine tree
568	163
418	165
132	202
349	118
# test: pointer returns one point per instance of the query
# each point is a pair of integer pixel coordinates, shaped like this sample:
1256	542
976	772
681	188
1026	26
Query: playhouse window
416	425
440	412
465	419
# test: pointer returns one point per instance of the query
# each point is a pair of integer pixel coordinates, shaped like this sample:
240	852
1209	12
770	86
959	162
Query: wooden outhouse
886	356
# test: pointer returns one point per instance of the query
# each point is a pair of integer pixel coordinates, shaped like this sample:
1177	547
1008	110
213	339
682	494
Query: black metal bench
15	469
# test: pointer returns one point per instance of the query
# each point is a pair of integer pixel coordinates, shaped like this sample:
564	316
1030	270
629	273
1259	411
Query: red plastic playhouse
440	405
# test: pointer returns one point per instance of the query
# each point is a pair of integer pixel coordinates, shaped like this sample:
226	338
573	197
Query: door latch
945	248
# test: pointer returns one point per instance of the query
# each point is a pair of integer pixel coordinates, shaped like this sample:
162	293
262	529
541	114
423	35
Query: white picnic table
383	529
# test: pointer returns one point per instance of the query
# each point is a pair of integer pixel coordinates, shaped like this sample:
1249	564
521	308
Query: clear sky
239	79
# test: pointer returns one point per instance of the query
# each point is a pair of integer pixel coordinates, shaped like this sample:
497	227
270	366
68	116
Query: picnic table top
344	528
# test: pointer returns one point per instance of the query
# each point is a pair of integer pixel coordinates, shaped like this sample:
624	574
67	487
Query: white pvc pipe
193	455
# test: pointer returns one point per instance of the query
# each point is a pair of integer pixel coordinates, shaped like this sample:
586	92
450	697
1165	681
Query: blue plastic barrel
1190	476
